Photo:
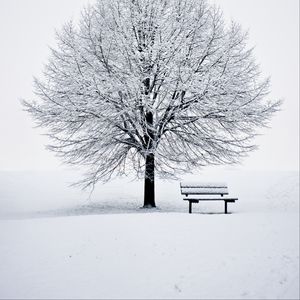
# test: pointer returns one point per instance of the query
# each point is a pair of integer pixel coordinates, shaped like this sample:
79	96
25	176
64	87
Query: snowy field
56	243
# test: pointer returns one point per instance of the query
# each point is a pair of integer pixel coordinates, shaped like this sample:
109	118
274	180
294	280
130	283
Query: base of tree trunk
148	206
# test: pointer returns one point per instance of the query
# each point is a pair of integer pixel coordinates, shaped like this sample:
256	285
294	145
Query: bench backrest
203	188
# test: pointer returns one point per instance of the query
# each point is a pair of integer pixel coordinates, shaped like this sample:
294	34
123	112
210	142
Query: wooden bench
205	192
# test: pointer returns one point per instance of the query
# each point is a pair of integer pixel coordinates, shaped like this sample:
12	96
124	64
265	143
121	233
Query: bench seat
211	199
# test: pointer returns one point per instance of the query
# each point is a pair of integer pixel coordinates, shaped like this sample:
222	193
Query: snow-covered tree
151	86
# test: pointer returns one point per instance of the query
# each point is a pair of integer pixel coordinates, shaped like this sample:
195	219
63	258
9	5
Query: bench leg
190	207
225	207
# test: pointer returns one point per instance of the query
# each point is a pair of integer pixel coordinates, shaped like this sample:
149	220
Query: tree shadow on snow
82	210
106	208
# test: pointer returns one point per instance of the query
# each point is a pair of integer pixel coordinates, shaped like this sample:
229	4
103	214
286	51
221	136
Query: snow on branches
138	78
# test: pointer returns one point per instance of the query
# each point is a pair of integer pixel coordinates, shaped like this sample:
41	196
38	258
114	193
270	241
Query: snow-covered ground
55	243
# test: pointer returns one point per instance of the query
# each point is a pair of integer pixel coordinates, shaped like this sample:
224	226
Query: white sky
27	28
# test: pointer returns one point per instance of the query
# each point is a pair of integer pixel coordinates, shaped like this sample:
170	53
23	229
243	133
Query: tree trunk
149	188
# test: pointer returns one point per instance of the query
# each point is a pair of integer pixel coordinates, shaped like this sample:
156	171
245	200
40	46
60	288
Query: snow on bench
208	189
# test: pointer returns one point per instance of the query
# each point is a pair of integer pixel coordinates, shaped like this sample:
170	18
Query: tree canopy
144	85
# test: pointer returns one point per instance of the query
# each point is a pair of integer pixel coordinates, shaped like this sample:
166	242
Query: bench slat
204	190
194	184
211	199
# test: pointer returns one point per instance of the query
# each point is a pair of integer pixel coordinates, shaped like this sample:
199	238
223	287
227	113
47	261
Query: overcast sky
27	29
